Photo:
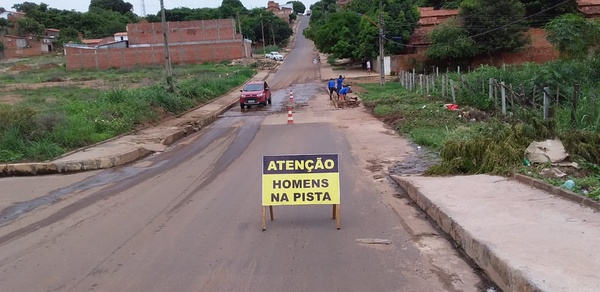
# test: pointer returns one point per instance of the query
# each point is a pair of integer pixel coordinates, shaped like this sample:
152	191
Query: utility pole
381	63
262	28
168	68
243	43
272	33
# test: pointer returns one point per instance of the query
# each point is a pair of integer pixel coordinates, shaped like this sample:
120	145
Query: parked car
274	56
255	93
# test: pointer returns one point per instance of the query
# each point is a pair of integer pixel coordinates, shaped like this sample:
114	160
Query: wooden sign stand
335	214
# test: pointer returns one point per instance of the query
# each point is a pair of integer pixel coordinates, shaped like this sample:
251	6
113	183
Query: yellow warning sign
301	180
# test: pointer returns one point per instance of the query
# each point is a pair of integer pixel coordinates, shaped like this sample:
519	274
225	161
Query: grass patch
51	121
424	120
40	71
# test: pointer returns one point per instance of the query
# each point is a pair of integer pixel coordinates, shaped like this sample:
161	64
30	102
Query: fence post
413	84
421	83
427	83
433	89
458	70
546	103
442	83
495	93
512	99
491	87
453	93
503	92
437	71
574	109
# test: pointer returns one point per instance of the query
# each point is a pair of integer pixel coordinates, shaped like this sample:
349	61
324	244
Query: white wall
387	61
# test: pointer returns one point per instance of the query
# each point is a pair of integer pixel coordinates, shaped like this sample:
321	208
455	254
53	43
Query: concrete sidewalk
525	239
132	146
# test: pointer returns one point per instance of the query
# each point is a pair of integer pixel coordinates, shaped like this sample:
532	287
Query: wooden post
421	83
271	212
264	218
433	89
458	70
546	103
503	92
337	218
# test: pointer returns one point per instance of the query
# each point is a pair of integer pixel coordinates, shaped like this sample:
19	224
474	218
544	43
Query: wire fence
573	106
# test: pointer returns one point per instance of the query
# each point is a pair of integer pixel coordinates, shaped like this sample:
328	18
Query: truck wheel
242	105
269	101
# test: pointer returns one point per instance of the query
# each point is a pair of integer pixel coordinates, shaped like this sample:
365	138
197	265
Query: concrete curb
508	278
39	168
565	194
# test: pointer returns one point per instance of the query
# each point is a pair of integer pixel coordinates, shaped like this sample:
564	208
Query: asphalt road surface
188	219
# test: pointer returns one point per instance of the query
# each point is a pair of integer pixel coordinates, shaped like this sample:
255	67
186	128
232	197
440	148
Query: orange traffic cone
290	117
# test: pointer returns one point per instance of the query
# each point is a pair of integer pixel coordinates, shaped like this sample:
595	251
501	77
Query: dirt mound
19	67
49	66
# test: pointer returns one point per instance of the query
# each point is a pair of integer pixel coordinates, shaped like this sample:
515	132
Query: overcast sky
152	6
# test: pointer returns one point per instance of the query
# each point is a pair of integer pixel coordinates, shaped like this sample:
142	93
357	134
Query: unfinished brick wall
183	31
189	42
78	58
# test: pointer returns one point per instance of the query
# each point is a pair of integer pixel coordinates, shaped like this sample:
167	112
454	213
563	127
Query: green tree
229	8
299	7
400	18
99	23
4	26
29	26
573	36
495	25
114	5
68	35
450	43
540	19
26	7
339	27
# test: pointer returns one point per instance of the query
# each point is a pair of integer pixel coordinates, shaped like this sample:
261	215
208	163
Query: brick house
589	8
283	11
19	46
429	19
189	42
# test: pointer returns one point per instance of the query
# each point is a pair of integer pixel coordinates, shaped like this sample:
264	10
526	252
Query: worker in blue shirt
342	93
331	87
340	82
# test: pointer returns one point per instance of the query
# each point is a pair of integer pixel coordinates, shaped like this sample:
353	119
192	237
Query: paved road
188	219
